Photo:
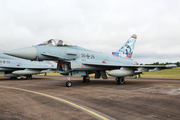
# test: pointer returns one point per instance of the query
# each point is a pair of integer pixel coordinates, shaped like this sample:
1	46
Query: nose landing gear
69	83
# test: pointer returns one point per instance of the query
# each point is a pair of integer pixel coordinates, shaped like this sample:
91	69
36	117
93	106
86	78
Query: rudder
127	49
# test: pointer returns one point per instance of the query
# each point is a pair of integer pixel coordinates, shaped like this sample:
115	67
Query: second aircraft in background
15	68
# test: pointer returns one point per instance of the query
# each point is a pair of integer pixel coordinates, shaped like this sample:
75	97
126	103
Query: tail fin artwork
127	49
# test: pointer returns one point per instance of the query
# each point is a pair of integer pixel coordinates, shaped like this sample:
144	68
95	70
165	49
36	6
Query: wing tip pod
134	36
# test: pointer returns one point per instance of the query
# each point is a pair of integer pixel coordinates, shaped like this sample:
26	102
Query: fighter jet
74	60
16	68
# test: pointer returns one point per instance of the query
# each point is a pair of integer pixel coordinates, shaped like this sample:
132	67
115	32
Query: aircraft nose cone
29	53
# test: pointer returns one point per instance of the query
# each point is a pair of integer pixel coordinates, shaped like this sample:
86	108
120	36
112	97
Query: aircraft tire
30	76
87	79
68	84
120	81
84	79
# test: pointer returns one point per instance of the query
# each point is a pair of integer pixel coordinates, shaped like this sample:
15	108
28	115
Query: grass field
168	73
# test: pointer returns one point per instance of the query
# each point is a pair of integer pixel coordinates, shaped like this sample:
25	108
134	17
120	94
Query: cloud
101	25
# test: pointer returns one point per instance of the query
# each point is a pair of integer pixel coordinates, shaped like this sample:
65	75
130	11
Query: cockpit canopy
56	42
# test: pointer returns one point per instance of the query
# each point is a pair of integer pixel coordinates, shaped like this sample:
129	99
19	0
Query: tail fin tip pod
127	49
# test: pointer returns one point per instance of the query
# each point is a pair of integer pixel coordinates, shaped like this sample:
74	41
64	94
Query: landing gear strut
68	83
86	79
120	80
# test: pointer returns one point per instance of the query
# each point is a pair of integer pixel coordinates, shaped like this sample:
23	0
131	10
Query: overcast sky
100	25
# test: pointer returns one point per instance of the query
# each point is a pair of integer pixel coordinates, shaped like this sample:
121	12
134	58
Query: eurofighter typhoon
74	60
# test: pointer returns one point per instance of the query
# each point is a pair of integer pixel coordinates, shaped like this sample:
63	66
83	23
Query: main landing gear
120	80
86	79
28	77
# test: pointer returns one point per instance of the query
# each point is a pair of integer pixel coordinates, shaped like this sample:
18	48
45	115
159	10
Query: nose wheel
68	84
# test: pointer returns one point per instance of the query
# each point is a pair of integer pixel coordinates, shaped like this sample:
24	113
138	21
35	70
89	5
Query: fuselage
78	56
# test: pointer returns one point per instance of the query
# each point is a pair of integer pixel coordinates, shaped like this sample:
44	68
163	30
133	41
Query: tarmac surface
47	98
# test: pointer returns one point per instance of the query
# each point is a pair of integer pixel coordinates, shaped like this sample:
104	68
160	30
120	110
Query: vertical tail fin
127	49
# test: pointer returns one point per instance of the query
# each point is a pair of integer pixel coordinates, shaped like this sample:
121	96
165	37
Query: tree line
167	63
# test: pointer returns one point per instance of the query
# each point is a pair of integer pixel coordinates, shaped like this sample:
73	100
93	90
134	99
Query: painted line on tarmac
88	110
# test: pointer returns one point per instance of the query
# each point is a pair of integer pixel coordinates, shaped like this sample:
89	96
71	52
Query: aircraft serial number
4	61
88	56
